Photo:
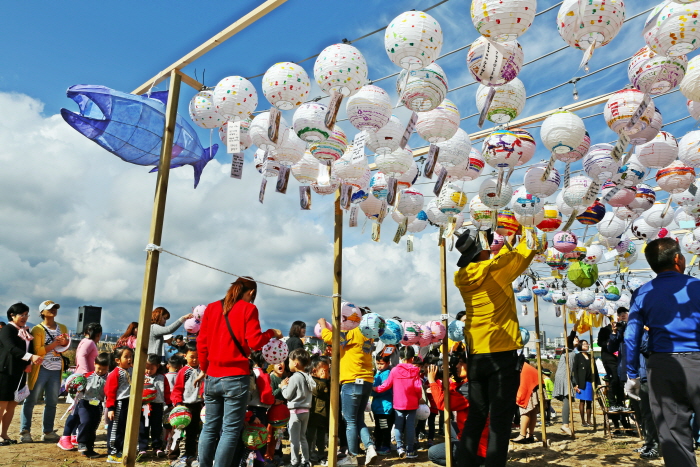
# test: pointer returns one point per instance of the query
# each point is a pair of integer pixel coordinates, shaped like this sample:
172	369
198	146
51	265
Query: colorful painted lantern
439	124
309	122
411	333
593	214
254	436
372	326
507	104
286	85
455	331
350	316
203	111
494	64
369	108
689	149
393	332
503	21
659	152
622	106
656	74
275	351
564	241
600	23
673	31
340	68
332	148
599	164
507	223
413	40
424	89
235	98
552	219
645	198
676	177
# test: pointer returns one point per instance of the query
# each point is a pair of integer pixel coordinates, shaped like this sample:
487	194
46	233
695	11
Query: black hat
547	372
469	245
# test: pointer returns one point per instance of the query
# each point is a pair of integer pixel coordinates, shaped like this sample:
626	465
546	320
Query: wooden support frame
538	349
334	417
445	355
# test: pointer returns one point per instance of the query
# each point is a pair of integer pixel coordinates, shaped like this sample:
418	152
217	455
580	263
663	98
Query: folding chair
602	397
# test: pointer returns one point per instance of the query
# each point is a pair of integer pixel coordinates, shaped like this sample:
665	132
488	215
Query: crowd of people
223	375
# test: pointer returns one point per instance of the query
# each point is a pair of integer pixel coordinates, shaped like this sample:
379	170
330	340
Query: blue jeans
405	422
354	399
48	384
226	400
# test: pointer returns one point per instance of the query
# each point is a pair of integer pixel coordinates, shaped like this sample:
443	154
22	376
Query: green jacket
321	401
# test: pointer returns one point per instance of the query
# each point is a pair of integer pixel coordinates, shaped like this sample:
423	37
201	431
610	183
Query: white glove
632	387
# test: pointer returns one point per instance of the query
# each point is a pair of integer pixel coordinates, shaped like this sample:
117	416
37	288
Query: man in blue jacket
669	306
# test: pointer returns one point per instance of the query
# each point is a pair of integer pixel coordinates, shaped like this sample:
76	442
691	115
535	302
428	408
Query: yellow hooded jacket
40	349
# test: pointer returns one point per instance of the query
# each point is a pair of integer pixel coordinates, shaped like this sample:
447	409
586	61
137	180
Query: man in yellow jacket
492	335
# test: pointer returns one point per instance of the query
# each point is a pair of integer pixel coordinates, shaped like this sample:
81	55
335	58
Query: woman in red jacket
229	332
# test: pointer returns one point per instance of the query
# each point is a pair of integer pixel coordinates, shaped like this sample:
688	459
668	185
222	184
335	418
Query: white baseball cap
47	305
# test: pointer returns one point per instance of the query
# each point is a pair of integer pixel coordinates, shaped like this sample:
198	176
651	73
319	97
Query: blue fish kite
131	127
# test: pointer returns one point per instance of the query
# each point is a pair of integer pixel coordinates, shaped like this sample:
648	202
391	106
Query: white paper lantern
246	142
598	303
470	169
203	111
290	150
578	153
435	216
608	242
424	89
508	102
563	132
690	244
655	218
529	219
408	178
286	85
503	21
439	124
419	223
369	108
235	98
611	226
494	63
270	165
562	206
524	202
645	198
682	216
306	170
676	177
332	148
594	254
371	207
341	68
455	151
542	188
622	106
622	197
631	173
378	185
659	152
527	146
675	30
626	213
309	122
488	193
399	218
327	185
575	194
451	200
689	149
585	298
259	134
656	74
386	140
396	163
500	149
601	22
410	203
685	198
524	296
599	164
644	231
351	171
650	131
413	40
693	109
480	214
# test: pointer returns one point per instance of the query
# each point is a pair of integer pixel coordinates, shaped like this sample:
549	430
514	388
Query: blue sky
82	216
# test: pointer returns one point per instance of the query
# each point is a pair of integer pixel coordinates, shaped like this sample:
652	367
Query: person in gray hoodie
298	391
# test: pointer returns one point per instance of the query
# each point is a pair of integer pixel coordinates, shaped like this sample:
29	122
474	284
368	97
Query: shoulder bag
23	393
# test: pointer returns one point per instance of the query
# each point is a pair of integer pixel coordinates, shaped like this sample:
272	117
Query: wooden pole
568	378
538	349
594	372
445	355
149	279
335	363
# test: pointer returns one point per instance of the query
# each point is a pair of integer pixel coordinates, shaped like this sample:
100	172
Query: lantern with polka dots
686	198
507	223
259	134
340	68
246	142
439	124
309	122
413	40
674	30
690	244
552	219
656	74
601	22
659	152
386	140
542	188
622	106
235	98
508	101
503	21
494	64
423	89
488	193
286	85
676	177
203	111
563	132
599	163
275	351
332	148
369	108
372	326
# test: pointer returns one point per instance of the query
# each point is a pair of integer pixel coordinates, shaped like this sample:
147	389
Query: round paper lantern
686	199
633	283
386	140
395	163
645	198
203	111
625	213
438	330
563	132
408	178
650	131
559	297
451	199
622	106
290	150
494	64
576	154
352	172
309	122
426	336
75	383
455	331
278	416
694	109
611	292
481	215
424	89
585	298
423	412
598	303
369	108
180	417
393	332
326	187
524	336
623	245
259	134
529	218
350	316
306	170
601	21
593	214
653	216
507	223
235	98
682	216
611	226
254	436
275	351
507	104
317	329
435	216
555	259
488	193
624	301
594	254
644	231
192	325
676	177
332	148
410	203
198	312
270	165
527	147
500	149
575	194
503	21
689	149
564	241
527	208
561	205
246	142
340	68
524	296
599	164
549	297
286	85
455	151
372	326
413	40
439	124
542	188
631	174
572	302
518	286
656	74
583	275
399	218
690	244
622	197
659	152
411	333
552	219
540	288
674	31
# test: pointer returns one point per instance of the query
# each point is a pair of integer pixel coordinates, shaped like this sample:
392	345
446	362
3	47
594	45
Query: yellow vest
40	349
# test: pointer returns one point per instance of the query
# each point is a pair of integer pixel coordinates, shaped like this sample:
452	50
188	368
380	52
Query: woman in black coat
15	356
582	377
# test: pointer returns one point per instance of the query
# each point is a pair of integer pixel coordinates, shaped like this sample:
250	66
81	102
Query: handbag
23	393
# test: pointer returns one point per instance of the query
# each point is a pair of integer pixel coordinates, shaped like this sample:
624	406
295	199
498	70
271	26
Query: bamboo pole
538	349
568	378
149	279
445	355
594	372
333	440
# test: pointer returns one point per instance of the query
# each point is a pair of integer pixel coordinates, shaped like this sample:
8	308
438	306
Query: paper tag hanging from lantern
392	183
263	185
401	231
409	244
353	215
410	128
345	196
237	165
376	231
274	128
305	197
383	210
589	52
233	137
487	106
442	176
333	108
283	179
429	166
358	147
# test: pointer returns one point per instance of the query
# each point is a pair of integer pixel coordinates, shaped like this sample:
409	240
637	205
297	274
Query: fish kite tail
198	166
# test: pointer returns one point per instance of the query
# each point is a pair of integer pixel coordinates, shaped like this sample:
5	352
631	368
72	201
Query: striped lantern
690	244
451	200
564	241
645	198
470	169
332	148
493	63
563	132
599	164
455	151
290	150
306	170
626	213
259	134
659	152
439	124
563	208
271	166
423	89
309	122
203	111
574	195
508	102
542	188
693	109
481	214
578	153
689	149
286	85
650	131
552	219
594	254
631	173
435	216
676	177
621	107
527	147
408	178
410	203
503	21
644	231
369	108
378	185
500	149
488	193
413	40
611	226
246	142
371	207
655	217
235	98
341	68
622	197
386	140
656	74
555	259
593	214
419	223
674	31
395	164
601	22
507	223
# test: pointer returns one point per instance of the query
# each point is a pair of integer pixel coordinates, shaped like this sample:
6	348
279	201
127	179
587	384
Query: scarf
23	333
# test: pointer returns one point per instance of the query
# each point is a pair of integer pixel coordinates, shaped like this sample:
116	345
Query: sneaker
384	451
401	453
74	440
650	454
82	447
348	460
91	454
180	462
642	449
140	454
64	443
25	437
411	454
192	461
50	437
115	459
370	454
324	462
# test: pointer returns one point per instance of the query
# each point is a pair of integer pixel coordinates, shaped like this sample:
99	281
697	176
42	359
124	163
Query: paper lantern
563	132
286	85
309	122
332	148
326	187
350	316
690	244
645	198
410	203
393	332
583	275
527	147
574	194
633	283
203	111
561	205
426	336
488	193
396	163
278	416
611	292
524	336
352	172
411	333
75	383
540	288
340	68
650	131
549	297
555	259
559	297
624	301
455	151
599	164
656	74
593	214
594	254
518	286
386	140
423	412
372	326
424	89
598	304
572	302
438	330
494	64
399	218
621	107
564	241
631	174
507	223
527	208
653	216
235	98
317	329
578	153
451	199
585	298
481	215
455	331
371	207
685	198
508	102
676	177
180	417
306	170
439	124
408	178
435	215
503	21
192	325
500	149
674	31
259	134
659	152
542	188
644	231
246	142
552	219
275	351
270	165
625	213
529	219
198	312
369	108
254	436
413	40
682	216
694	109
290	150
689	149
524	295
611	226
623	245
622	197
600	23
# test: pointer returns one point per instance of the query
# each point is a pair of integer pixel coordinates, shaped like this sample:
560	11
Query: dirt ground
590	449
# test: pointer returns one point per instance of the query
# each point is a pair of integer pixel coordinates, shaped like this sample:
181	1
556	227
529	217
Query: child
318	417
279	374
262	398
175	364
548	391
185	392
405	379
430	402
117	388
152	430
89	408
382	407
298	390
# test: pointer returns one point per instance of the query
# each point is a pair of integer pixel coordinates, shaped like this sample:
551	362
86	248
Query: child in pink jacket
406	383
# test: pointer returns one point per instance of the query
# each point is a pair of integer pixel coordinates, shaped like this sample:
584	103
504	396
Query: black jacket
582	372
12	349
